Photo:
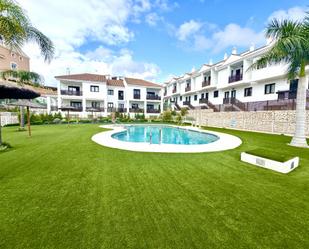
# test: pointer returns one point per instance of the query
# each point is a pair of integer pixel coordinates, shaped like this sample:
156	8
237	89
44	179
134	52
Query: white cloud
153	18
73	23
235	35
296	13
188	28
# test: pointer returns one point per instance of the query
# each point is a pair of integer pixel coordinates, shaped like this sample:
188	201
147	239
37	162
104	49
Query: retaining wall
282	122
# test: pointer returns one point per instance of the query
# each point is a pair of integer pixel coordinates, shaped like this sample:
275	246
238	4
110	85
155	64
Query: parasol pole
28	117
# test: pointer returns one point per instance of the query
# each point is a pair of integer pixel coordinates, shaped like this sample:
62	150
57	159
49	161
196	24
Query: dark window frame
248	92
94	89
270	88
216	94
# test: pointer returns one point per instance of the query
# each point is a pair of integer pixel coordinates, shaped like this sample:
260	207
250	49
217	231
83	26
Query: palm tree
291	46
22	77
16	29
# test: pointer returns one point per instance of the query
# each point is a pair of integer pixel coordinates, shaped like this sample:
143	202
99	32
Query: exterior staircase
234	104
177	107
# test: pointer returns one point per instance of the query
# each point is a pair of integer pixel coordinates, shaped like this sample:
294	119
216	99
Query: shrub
167	116
57	121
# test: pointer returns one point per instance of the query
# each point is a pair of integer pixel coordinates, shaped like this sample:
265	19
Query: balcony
136	96
94	109
186	103
174	90
234	78
54	108
71	93
286	95
120	110
153	111
72	108
188	89
203	101
153	97
206	83
136	110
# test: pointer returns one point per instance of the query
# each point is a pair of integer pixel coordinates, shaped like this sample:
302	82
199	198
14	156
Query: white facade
100	95
224	83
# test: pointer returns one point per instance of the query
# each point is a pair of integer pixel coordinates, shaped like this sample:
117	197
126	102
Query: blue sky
149	39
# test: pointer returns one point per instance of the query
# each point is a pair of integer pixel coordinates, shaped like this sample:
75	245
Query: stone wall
8	118
282	122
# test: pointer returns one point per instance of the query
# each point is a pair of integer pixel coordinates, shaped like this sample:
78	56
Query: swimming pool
164	138
162	134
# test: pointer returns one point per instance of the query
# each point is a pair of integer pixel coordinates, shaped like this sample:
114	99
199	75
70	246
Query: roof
115	83
83	77
140	82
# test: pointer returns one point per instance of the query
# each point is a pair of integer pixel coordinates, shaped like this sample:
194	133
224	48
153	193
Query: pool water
163	134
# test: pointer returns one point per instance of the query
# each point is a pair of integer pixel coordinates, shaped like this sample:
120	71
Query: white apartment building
93	94
230	85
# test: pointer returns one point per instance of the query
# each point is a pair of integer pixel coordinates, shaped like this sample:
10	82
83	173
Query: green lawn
58	189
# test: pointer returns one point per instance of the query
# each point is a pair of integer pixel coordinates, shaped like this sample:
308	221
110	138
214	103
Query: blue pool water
163	134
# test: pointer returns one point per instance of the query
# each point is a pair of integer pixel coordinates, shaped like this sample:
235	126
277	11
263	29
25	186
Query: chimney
252	47
210	62
225	56
234	50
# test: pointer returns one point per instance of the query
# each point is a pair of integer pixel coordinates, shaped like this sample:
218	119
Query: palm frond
45	44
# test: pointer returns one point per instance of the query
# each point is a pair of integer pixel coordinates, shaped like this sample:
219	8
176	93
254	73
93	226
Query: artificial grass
58	189
270	154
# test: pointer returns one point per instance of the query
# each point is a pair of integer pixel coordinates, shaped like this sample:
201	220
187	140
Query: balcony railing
71	93
286	95
153	111
203	101
188	88
54	108
112	109
153	97
94	109
206	83
136	110
234	78
137	96
120	97
186	103
74	108
174	90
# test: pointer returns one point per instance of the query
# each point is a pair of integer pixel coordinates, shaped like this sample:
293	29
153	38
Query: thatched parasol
10	90
68	109
92	110
29	104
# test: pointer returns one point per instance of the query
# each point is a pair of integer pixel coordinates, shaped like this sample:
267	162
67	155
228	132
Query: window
270	88
73	88
134	106
110	104
216	94
13	55
120	95
94	88
13	66
136	93
202	96
180	98
121	106
248	92
195	97
20	58
76	104
110	92
95	104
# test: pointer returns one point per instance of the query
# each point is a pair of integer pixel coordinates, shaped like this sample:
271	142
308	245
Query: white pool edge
225	141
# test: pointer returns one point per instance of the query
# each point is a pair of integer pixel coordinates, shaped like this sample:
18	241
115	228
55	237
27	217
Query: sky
149	39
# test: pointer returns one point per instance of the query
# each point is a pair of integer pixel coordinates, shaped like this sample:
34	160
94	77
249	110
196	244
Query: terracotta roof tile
83	77
115	83
140	82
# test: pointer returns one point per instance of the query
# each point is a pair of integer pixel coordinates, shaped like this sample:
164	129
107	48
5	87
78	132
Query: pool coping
225	141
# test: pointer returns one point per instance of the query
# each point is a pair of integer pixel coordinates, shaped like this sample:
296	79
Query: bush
85	121
8	125
57	121
167	116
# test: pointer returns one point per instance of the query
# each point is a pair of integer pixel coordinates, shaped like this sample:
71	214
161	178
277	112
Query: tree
16	29
291	46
